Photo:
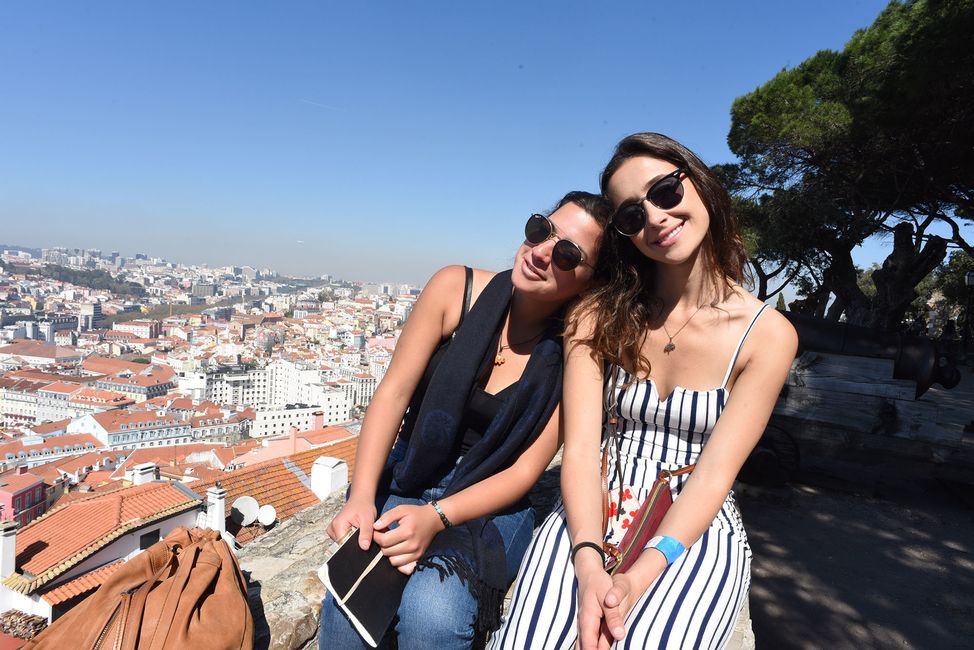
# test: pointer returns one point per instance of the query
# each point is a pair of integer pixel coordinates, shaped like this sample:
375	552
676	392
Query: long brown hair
621	305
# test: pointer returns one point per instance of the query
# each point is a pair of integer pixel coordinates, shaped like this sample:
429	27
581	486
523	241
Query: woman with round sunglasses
461	426
690	364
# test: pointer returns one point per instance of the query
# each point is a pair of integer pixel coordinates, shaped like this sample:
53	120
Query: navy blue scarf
474	550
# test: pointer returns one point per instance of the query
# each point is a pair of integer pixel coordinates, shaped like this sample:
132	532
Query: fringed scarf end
490	600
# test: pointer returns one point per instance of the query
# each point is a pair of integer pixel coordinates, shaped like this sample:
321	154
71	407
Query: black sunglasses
565	254
665	193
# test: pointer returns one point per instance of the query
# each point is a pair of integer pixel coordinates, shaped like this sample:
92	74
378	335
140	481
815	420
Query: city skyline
376	142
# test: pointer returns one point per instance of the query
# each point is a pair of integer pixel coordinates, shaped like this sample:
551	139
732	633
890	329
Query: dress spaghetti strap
740	344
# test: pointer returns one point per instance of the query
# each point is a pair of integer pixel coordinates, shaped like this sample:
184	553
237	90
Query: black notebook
365	585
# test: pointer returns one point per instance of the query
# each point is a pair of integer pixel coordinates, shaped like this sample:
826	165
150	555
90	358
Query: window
148	539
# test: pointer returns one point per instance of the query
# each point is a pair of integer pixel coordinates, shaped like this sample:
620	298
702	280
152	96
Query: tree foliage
90	278
875	139
950	283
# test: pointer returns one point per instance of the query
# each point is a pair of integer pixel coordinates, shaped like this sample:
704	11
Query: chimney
144	473
216	508
318	420
327	475
8	547
294	440
21	469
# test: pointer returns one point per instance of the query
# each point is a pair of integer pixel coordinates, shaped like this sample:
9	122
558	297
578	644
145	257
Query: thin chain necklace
670	345
499	359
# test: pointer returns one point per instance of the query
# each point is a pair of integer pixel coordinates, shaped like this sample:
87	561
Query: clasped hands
403	533
604	602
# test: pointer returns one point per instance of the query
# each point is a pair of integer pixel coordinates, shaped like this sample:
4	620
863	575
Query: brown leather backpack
185	591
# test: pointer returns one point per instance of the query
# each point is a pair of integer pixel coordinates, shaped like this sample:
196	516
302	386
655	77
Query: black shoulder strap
467	287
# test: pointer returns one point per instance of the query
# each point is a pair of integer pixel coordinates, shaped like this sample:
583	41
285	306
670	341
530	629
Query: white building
363	387
275	422
134	429
235	385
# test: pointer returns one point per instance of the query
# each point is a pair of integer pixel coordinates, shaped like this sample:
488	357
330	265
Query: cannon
915	358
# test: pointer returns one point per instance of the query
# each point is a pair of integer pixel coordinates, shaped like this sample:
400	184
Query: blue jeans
433	613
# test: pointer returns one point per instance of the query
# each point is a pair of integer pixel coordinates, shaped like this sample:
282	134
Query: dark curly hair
620	304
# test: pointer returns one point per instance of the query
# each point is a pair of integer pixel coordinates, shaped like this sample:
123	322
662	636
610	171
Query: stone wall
285	592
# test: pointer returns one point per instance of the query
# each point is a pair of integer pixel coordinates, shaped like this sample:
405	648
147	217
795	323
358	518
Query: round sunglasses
566	254
665	193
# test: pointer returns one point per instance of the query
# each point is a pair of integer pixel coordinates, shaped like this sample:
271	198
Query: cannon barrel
915	358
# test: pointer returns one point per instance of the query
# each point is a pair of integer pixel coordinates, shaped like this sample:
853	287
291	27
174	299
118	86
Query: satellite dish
267	515
243	511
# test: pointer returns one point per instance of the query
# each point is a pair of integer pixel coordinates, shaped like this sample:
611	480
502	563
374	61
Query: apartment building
143	329
134	429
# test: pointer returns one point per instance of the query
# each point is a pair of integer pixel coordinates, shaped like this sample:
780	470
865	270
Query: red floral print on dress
624	505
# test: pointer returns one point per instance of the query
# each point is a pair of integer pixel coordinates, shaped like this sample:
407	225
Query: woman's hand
604	602
408	541
360	514
593	586
616	605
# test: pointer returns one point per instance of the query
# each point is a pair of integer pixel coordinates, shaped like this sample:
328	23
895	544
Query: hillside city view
121	371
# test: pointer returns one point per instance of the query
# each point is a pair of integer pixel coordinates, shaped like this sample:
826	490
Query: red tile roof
101	397
21	385
109	366
326	435
51	471
113	420
70	533
17	482
83	585
61	387
177	454
51	427
40	349
276	482
65	442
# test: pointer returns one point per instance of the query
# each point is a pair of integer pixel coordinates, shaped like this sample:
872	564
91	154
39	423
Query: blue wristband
670	547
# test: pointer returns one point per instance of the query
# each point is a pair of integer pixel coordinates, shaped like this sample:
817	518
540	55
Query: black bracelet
581	545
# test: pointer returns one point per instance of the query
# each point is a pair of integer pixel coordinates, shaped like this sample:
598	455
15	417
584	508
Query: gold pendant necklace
670	345
499	359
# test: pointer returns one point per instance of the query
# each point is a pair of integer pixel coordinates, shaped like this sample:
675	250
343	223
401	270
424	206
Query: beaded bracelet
446	521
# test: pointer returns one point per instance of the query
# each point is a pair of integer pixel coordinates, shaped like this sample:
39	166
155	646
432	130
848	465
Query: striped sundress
696	601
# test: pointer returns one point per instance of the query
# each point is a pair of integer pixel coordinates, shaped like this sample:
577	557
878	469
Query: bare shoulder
776	334
449	279
773	335
446	288
480	279
442	297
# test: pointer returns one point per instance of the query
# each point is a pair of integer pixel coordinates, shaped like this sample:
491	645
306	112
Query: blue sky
370	140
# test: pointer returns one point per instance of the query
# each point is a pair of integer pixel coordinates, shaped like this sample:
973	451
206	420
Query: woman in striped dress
694	365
